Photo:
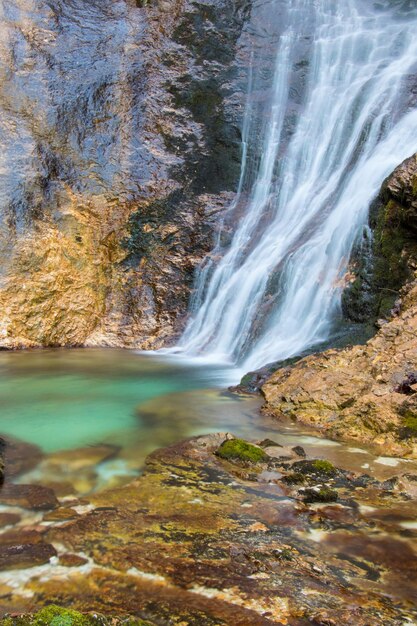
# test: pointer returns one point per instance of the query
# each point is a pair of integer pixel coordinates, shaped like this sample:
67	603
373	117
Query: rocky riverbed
217	531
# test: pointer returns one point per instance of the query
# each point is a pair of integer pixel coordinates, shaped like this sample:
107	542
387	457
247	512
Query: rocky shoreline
217	531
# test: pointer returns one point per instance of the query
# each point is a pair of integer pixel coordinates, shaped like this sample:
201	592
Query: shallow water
71	402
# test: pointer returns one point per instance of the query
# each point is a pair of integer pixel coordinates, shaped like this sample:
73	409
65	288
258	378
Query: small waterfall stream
276	290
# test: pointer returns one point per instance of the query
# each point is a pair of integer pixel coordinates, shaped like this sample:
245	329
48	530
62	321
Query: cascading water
276	290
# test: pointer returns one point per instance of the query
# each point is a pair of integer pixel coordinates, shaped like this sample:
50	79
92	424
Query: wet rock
190	541
60	514
17	457
20	536
22	556
316	467
34	497
72	560
268	443
299	451
9	519
59	616
322	494
72	461
239	450
366	393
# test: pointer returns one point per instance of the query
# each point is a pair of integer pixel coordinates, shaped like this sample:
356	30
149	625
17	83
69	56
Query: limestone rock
364	393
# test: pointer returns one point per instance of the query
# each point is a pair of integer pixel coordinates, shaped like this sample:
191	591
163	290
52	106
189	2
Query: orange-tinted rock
72	560
8	519
33	497
20	536
60	514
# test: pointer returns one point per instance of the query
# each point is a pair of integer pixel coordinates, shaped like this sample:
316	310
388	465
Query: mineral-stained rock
60	514
128	172
190	542
34	497
22	556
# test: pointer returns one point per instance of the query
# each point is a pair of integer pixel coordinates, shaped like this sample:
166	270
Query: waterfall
276	289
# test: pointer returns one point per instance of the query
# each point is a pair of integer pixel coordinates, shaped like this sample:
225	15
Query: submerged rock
17	457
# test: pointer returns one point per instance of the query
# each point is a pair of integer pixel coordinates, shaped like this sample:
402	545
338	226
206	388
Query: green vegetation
321	495
53	615
295	478
318	466
409	426
237	449
324	467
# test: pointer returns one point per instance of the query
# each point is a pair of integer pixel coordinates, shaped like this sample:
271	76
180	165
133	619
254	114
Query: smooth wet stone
72	560
22	556
9	519
20	536
192	542
18	456
34	497
60	514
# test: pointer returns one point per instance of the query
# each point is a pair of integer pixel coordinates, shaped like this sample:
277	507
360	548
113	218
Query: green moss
324	467
53	615
409	425
285	554
295	478
237	449
322	495
318	466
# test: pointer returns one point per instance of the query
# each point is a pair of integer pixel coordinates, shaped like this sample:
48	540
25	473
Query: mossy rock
294	478
53	615
409	427
320	495
240	450
318	466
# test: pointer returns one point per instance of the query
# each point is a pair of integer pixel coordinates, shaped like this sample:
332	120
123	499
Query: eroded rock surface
202	540
121	146
367	393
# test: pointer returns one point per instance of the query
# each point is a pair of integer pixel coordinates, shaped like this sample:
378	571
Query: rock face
112	183
368	393
220	532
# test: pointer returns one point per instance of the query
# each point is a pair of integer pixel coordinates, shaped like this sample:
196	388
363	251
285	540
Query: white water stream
276	289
